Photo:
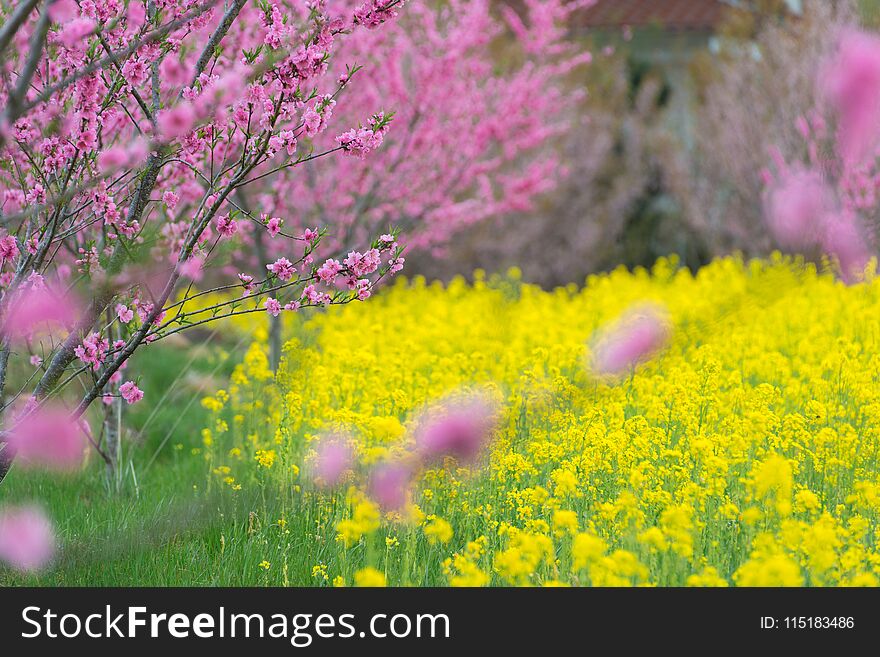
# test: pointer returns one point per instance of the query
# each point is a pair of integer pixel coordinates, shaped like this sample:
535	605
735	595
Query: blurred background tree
669	143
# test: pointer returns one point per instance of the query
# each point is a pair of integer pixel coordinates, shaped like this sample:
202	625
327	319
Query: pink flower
311	294
75	31
27	538
193	268
112	159
37	282
311	121
273	225
170	199
363	289
36	361
282	268
8	248
851	82
176	122
310	235
47	437
333	460
636	336
796	208
130	392
247	282
226	226
460	429
360	142
124	313
389	485
93	350
373	13
63	11
329	270
396	264
846	241
38	308
288	141
273	306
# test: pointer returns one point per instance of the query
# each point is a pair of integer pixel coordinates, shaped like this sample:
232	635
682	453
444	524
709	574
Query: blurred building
662	36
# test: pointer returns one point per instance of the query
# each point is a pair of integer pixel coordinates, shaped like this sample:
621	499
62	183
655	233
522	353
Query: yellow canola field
745	453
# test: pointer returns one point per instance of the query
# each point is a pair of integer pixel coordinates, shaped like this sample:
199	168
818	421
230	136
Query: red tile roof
671	14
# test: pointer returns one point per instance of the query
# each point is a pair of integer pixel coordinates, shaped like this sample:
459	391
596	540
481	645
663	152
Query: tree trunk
113	442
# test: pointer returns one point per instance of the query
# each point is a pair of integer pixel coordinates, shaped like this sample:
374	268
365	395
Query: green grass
160	525
157	526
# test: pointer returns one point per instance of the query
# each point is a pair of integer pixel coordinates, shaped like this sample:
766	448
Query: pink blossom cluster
47	437
821	205
334	458
464	145
358	272
93	350
637	335
146	153
373	13
130	392
457	428
360	142
27	538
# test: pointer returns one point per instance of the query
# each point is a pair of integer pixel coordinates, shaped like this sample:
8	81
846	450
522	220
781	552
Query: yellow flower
369	577
773	570
438	530
212	404
586	549
463	572
364	520
565	522
709	577
266	457
265	565
744	450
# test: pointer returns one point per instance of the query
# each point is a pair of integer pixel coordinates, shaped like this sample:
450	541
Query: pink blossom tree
126	131
148	148
824	200
471	136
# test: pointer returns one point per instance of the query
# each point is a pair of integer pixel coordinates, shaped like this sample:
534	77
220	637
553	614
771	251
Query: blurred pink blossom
461	429
111	159
63	11
851	83
333	460
844	239
36	310
47	437
796	208
636	336
389	485
27	538
175	122
75	31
